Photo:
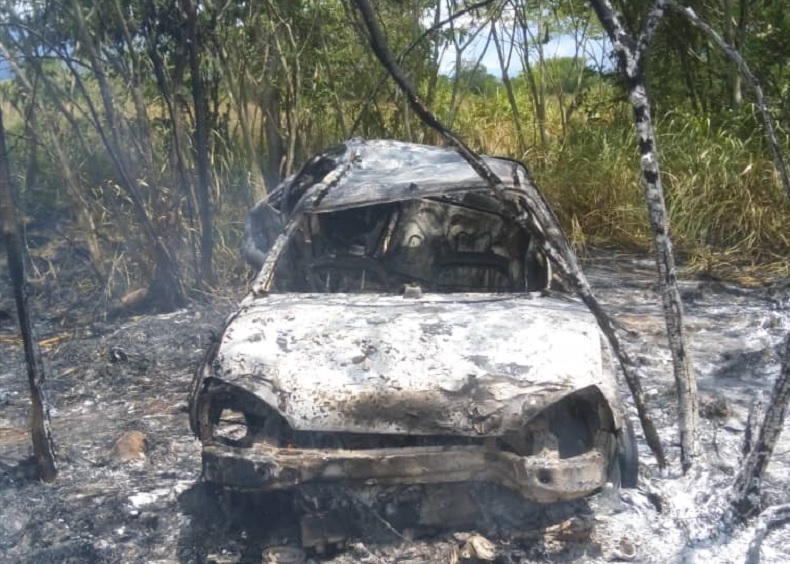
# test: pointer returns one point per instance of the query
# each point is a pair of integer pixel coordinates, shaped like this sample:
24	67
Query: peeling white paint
460	364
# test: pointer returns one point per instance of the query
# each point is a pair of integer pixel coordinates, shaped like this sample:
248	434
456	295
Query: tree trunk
629	54
334	88
433	80
275	147
738	39
736	96
206	274
237	93
31	145
535	93
135	85
165	285
511	98
43	446
178	158
292	112
689	80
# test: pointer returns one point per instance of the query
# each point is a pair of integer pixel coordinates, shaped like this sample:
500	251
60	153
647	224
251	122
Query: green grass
727	209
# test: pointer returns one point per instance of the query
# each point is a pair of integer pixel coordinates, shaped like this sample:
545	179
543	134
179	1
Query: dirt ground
129	487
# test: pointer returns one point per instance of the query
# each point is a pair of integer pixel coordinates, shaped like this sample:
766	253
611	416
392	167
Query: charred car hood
469	364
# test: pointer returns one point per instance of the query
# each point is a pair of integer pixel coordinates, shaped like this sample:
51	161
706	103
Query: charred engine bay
129	487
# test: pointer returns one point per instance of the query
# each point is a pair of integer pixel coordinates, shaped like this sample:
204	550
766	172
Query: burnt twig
43	446
746	489
770	519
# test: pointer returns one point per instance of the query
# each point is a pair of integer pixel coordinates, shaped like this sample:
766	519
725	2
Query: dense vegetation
149	127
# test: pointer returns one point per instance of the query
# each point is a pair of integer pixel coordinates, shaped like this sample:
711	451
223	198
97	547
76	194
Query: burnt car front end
391	390
400	338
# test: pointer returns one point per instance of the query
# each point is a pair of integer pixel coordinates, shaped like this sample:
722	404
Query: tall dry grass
727	209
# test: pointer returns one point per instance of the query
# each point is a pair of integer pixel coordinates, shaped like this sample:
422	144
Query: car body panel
401	332
383	171
371	172
456	364
538	478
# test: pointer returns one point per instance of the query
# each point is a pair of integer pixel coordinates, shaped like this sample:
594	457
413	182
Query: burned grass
129	488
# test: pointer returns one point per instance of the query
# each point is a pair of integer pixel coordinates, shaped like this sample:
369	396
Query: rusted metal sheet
389	171
454	364
538	478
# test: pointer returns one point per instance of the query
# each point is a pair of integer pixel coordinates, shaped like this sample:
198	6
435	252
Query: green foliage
566	75
285	79
475	79
725	202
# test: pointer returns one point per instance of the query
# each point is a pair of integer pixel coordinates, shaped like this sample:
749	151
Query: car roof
377	171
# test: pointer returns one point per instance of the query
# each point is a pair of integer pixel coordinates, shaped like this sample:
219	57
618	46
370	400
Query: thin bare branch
411	47
536	217
732	53
653	19
770	519
438	26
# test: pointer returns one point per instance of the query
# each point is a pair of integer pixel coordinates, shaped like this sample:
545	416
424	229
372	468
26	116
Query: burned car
401	334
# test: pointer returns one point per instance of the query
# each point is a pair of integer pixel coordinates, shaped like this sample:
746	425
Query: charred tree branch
756	414
43	445
779	161
770	519
747	486
653	19
537	217
760	442
630	66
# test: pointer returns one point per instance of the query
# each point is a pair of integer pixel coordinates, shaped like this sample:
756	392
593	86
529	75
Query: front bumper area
537	478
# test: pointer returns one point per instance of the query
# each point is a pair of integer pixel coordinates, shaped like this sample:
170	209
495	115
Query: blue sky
593	50
558	46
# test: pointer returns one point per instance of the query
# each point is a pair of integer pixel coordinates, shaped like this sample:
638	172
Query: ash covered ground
129	487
